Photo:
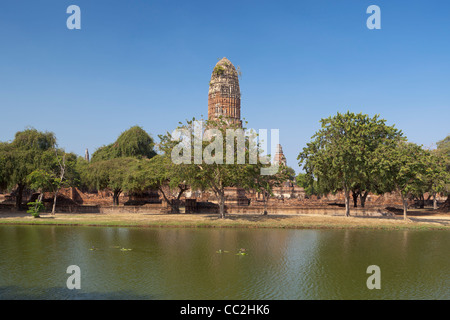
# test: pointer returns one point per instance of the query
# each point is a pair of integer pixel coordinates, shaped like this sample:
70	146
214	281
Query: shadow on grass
46	217
437	221
14	215
393	217
250	217
411	218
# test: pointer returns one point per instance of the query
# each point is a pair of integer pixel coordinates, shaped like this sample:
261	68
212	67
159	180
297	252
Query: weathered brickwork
279	158
224	95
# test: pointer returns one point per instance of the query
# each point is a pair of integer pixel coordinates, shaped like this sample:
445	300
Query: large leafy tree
434	179
112	165
308	184
442	152
134	142
160	173
59	172
340	156
435	176
28	152
3	161
403	169
210	163
443	146
111	174
265	184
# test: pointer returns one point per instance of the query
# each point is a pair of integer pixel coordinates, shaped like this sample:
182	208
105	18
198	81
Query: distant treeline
352	153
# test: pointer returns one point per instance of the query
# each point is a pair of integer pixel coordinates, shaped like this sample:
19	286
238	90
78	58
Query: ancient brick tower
224	96
279	158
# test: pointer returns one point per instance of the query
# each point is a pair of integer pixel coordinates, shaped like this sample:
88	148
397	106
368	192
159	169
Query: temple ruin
224	101
224	95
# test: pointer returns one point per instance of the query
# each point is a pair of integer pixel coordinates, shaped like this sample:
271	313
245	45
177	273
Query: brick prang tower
224	96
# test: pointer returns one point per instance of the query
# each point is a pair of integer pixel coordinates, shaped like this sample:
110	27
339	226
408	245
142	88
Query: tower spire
224	95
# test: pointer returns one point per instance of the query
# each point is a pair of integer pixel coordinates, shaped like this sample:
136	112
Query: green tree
438	169
3	163
41	181
111	174
58	173
134	142
434	179
443	146
112	165
266	183
218	166
307	183
340	156
289	172
160	173
403	168
26	153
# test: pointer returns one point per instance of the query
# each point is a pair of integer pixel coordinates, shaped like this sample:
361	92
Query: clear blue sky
148	63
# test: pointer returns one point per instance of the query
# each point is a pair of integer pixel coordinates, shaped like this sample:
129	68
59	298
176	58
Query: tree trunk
222	204
355	198
62	165
347	202
39	199
363	198
116	197
265	203
446	203
422	202
19	193
434	201
174	206
54	202
405	206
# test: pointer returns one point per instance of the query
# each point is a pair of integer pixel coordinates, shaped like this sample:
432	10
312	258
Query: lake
183	263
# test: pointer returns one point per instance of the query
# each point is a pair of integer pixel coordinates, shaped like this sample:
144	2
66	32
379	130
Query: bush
35	208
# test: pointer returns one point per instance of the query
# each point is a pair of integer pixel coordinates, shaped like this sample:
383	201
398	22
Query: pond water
178	263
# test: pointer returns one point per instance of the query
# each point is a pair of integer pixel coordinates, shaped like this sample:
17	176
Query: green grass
226	223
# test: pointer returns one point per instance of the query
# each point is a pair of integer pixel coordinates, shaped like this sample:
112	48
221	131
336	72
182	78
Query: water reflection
18	293
184	263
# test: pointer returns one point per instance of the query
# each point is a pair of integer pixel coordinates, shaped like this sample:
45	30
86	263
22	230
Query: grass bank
300	221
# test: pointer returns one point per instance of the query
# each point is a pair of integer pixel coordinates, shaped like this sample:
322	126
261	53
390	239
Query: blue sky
148	63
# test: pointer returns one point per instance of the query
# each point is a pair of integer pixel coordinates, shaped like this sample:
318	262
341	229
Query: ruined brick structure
279	158
224	96
224	100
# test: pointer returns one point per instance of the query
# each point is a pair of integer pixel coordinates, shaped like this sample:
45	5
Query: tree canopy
112	166
353	153
340	155
213	157
134	142
443	146
111	174
29	151
402	168
162	174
